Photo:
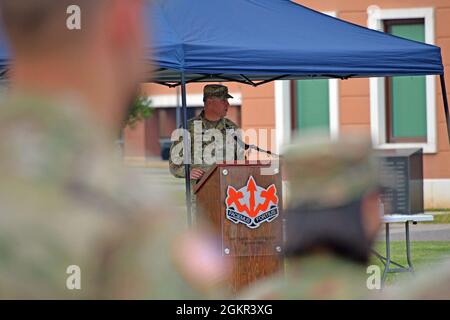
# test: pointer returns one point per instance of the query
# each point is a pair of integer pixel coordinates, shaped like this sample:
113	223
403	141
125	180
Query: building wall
135	142
258	104
354	101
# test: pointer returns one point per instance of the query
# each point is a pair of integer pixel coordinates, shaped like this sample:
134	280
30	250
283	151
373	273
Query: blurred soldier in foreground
433	283
332	218
212	119
63	198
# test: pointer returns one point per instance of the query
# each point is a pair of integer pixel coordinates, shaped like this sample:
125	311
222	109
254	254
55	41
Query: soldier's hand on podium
197	173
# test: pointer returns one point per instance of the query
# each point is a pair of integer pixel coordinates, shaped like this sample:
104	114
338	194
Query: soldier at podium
210	123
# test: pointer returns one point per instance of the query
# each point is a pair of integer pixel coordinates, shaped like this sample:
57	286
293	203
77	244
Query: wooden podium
243	203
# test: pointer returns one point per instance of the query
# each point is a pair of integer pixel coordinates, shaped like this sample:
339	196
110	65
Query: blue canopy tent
244	40
4	56
258	41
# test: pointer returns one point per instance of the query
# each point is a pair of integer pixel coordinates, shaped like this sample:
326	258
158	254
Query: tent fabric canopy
261	39
246	40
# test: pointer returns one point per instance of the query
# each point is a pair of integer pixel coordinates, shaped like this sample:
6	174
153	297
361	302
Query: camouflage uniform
323	178
227	128
322	277
65	201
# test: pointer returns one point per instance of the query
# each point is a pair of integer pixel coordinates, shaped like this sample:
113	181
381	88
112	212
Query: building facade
404	112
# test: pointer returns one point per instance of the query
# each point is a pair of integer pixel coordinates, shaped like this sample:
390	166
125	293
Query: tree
140	110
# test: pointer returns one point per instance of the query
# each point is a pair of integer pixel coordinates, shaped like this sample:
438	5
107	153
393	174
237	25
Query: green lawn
423	253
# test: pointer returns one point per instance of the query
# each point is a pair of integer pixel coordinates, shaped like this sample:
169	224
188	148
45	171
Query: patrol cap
216	91
327	173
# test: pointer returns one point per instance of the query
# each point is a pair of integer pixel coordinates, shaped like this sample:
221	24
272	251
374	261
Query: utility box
402	169
165	144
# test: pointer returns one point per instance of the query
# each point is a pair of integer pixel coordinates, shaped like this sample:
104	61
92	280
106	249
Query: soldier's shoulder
230	124
192	121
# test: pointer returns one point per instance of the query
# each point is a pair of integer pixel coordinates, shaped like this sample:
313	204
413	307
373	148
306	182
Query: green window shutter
312	105
408	94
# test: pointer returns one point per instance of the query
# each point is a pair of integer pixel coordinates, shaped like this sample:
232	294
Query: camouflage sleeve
177	170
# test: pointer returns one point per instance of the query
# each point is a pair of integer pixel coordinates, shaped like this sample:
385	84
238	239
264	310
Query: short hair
34	24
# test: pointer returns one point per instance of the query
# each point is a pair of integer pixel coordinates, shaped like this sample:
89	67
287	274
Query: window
315	105
403	109
312	101
406	116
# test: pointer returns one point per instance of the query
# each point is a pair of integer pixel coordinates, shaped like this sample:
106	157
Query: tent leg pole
178	110
444	96
186	150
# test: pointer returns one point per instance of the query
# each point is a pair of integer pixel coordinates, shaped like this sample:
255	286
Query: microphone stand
253	147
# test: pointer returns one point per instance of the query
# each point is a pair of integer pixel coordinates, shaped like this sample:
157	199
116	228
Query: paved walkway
419	232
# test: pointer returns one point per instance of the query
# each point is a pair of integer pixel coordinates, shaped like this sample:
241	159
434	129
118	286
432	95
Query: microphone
241	143
252	146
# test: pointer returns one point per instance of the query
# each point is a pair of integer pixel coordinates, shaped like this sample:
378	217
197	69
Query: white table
406	219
